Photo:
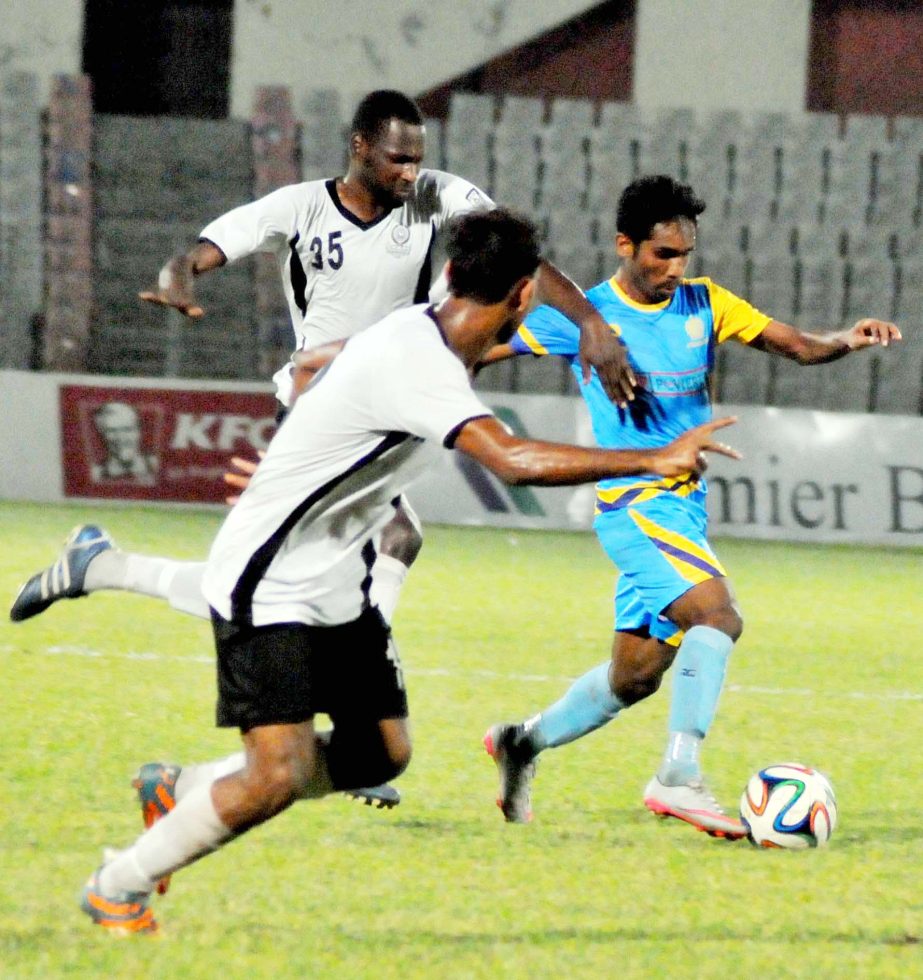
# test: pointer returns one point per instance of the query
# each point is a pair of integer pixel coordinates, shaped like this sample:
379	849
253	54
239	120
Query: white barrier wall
805	476
108	438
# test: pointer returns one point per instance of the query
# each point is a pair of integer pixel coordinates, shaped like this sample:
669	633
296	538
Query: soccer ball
788	805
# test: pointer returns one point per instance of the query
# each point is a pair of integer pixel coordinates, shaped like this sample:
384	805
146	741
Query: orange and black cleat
124	913
156	786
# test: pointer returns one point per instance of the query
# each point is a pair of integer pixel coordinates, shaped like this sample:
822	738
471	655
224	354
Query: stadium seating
792	385
517	147
844	385
435	149
816	218
156	186
323	136
21	260
742	376
898	383
716	160
565	150
615	150
468	137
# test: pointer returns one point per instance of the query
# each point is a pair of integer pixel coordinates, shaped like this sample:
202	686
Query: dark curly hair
490	251
650	200
378	107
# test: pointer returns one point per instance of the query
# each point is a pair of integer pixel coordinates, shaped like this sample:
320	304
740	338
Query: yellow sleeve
734	317
525	335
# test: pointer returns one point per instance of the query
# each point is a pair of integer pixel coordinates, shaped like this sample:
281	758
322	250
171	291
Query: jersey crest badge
695	329
400	240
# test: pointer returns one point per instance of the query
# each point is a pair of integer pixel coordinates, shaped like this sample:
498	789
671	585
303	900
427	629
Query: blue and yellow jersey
671	347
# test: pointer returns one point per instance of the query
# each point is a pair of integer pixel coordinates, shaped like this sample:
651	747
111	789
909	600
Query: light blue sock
698	676
588	704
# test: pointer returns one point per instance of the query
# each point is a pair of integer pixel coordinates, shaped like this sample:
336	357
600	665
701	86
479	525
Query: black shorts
286	673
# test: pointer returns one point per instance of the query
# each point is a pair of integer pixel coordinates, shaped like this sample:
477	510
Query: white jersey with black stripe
341	274
297	545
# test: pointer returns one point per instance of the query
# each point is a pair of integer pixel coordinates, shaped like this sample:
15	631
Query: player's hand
307	363
174	287
601	349
868	332
241	479
687	453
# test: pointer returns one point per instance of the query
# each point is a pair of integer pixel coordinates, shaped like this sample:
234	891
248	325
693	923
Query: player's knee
737	626
639	684
275	785
387	757
638	676
727	620
398	757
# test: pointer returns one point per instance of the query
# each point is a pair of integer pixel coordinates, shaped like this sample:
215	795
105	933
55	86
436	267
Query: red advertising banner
158	443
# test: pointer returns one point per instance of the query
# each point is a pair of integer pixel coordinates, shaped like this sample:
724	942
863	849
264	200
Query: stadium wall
857	56
686	52
54	48
405	45
725	54
806	476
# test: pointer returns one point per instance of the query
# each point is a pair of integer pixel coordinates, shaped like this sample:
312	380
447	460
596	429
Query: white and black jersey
341	274
297	547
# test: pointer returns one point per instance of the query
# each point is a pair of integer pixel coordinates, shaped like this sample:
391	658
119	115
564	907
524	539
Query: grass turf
492	625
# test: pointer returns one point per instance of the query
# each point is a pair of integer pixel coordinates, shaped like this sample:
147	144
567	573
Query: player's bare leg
284	763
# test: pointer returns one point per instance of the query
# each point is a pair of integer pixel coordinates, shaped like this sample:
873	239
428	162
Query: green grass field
492	626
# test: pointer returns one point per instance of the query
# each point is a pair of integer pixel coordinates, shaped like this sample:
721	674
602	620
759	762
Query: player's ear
624	246
357	144
522	296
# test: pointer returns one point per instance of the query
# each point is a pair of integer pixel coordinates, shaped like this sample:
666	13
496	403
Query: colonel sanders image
119	425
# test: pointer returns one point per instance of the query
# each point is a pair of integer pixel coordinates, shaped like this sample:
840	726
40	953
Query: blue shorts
661	552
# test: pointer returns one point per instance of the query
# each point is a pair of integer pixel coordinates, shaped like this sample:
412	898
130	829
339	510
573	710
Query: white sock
207	773
388	576
189	831
115	569
179	582
184	589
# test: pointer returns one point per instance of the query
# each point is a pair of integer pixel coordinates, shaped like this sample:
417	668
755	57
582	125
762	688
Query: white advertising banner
820	476
805	476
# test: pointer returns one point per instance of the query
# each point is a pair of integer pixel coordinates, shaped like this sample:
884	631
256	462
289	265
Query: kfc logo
158	444
120	428
223	432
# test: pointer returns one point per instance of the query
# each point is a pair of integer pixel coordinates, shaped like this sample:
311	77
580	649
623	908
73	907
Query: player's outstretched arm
531	461
599	347
819	348
175	282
